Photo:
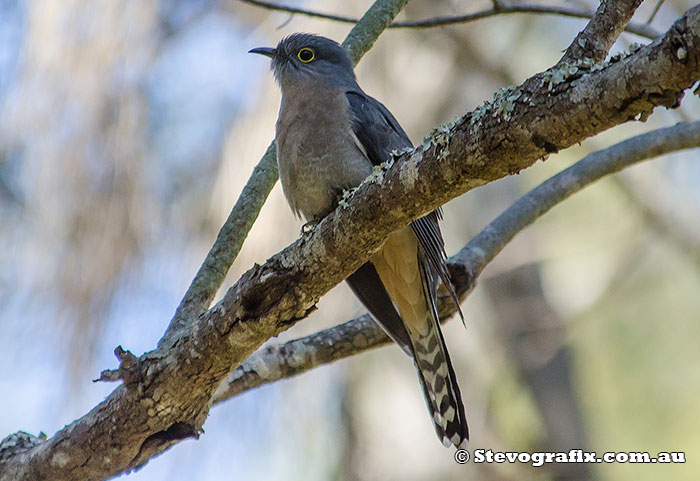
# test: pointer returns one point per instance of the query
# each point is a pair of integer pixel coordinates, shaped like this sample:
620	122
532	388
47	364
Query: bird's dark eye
306	55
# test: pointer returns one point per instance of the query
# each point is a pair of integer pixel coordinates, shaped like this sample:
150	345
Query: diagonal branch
655	11
166	393
216	264
594	41
361	334
502	8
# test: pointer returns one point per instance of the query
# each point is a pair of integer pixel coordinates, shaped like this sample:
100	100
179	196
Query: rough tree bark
166	393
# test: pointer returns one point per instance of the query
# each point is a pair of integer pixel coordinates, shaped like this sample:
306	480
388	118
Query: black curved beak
268	52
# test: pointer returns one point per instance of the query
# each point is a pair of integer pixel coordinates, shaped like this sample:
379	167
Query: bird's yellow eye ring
306	55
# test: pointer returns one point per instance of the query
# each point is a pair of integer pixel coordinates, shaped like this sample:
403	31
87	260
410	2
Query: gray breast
317	151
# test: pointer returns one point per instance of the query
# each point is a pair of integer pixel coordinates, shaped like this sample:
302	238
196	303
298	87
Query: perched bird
329	135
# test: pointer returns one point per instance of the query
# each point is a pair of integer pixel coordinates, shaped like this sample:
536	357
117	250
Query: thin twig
358	335
503	8
657	7
375	20
229	241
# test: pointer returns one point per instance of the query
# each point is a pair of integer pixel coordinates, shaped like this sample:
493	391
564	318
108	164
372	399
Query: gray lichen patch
439	138
344	200
264	368
396	153
504	101
408	173
219	309
501	107
377	175
554	77
479	113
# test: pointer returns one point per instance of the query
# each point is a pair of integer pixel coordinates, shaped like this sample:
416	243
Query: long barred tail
408	280
439	383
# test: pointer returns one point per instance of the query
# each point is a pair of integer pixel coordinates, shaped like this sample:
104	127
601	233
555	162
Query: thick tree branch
502	8
167	392
233	233
361	334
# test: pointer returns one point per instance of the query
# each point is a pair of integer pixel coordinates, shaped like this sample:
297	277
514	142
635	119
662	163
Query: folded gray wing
380	133
375	127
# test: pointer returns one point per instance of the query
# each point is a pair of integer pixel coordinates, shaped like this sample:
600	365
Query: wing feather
379	133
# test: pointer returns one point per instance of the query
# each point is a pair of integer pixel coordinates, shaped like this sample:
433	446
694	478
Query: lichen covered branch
358	335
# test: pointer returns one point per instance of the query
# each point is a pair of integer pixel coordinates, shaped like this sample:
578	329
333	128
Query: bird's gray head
303	58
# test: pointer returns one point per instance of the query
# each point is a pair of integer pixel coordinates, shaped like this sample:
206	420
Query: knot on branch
160	441
544	144
463	277
285	323
129	369
678	41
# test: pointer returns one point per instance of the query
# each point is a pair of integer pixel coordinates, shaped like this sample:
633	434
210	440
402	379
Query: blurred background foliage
127	130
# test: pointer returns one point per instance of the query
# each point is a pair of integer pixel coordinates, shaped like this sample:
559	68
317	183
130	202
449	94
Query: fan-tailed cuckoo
329	135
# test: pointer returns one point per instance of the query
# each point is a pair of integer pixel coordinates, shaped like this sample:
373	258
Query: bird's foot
308	227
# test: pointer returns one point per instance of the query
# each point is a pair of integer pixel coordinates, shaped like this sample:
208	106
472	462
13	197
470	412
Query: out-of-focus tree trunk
534	336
